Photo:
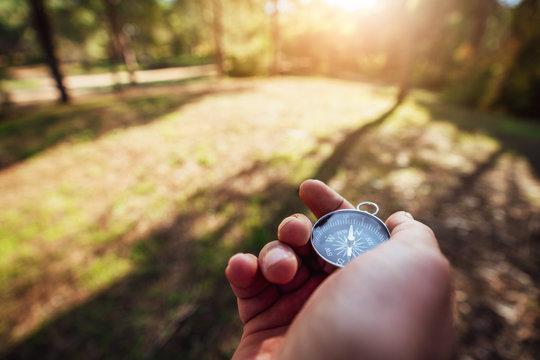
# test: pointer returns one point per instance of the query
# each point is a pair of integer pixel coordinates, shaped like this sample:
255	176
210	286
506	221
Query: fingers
278	262
285	308
295	230
254	280
254	292
321	199
244	276
404	228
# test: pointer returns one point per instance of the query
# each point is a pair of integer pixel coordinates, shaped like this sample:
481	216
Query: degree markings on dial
332	236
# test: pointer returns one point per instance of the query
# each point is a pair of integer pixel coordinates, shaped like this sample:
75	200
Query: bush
246	65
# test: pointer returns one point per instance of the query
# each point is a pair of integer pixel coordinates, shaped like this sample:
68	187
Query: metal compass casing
340	236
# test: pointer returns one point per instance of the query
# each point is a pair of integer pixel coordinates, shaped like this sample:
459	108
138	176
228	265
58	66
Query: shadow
147	84
33	129
177	303
523	137
178	281
465	185
328	168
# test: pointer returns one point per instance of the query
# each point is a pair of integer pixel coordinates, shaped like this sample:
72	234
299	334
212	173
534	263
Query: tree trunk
406	53
217	27
525	18
5	98
120	41
44	32
275	40
480	13
113	66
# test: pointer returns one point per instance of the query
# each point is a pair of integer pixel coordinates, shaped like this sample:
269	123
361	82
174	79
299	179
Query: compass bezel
323	219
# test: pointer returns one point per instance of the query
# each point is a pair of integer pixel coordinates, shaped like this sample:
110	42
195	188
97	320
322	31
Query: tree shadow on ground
490	261
177	302
177	292
521	137
32	130
329	167
484	222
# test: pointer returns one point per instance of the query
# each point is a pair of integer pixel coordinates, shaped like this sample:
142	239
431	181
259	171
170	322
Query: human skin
394	302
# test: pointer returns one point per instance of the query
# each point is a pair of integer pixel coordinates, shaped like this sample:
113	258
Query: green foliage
521	92
242	66
16	37
470	90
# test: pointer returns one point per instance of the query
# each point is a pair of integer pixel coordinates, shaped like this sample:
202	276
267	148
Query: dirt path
45	88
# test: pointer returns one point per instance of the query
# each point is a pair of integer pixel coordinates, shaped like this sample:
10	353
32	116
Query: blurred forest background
144	142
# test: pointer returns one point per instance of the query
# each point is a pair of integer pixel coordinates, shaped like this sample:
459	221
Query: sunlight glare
353	5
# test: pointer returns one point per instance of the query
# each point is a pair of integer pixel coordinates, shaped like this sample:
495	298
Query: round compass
340	236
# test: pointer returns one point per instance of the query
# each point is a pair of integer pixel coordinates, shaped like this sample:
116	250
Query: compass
340	236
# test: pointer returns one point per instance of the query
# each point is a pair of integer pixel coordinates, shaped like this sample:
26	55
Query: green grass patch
103	271
21	84
205	155
30	132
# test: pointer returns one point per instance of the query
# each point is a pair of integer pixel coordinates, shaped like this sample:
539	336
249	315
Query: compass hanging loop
372	204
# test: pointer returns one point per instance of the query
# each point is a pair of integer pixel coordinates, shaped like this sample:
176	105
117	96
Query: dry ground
119	212
33	84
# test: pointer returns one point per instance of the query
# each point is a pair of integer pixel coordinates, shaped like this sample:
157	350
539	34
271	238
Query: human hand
393	302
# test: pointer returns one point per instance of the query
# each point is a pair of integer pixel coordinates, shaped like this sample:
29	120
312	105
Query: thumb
404	228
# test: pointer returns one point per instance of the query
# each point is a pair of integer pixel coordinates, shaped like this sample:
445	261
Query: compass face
340	236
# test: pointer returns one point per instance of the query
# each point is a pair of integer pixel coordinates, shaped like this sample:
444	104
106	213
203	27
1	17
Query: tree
217	29
406	51
523	40
45	34
274	20
480	12
120	41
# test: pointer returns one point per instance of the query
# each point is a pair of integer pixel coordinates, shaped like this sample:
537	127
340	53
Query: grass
21	84
109	88
120	213
31	131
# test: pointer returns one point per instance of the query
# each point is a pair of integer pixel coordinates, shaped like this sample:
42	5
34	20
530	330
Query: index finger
321	199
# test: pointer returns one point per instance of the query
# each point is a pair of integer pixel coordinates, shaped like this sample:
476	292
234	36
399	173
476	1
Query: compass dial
340	236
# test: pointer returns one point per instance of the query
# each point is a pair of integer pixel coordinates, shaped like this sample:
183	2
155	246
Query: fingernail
286	221
275	255
234	256
408	214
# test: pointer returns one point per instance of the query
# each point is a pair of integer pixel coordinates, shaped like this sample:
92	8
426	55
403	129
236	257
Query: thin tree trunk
406	54
275	40
5	101
129	57
481	12
113	66
120	41
5	98
44	32
217	27
525	16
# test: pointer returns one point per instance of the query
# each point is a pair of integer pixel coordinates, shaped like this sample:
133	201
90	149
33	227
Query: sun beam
353	5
